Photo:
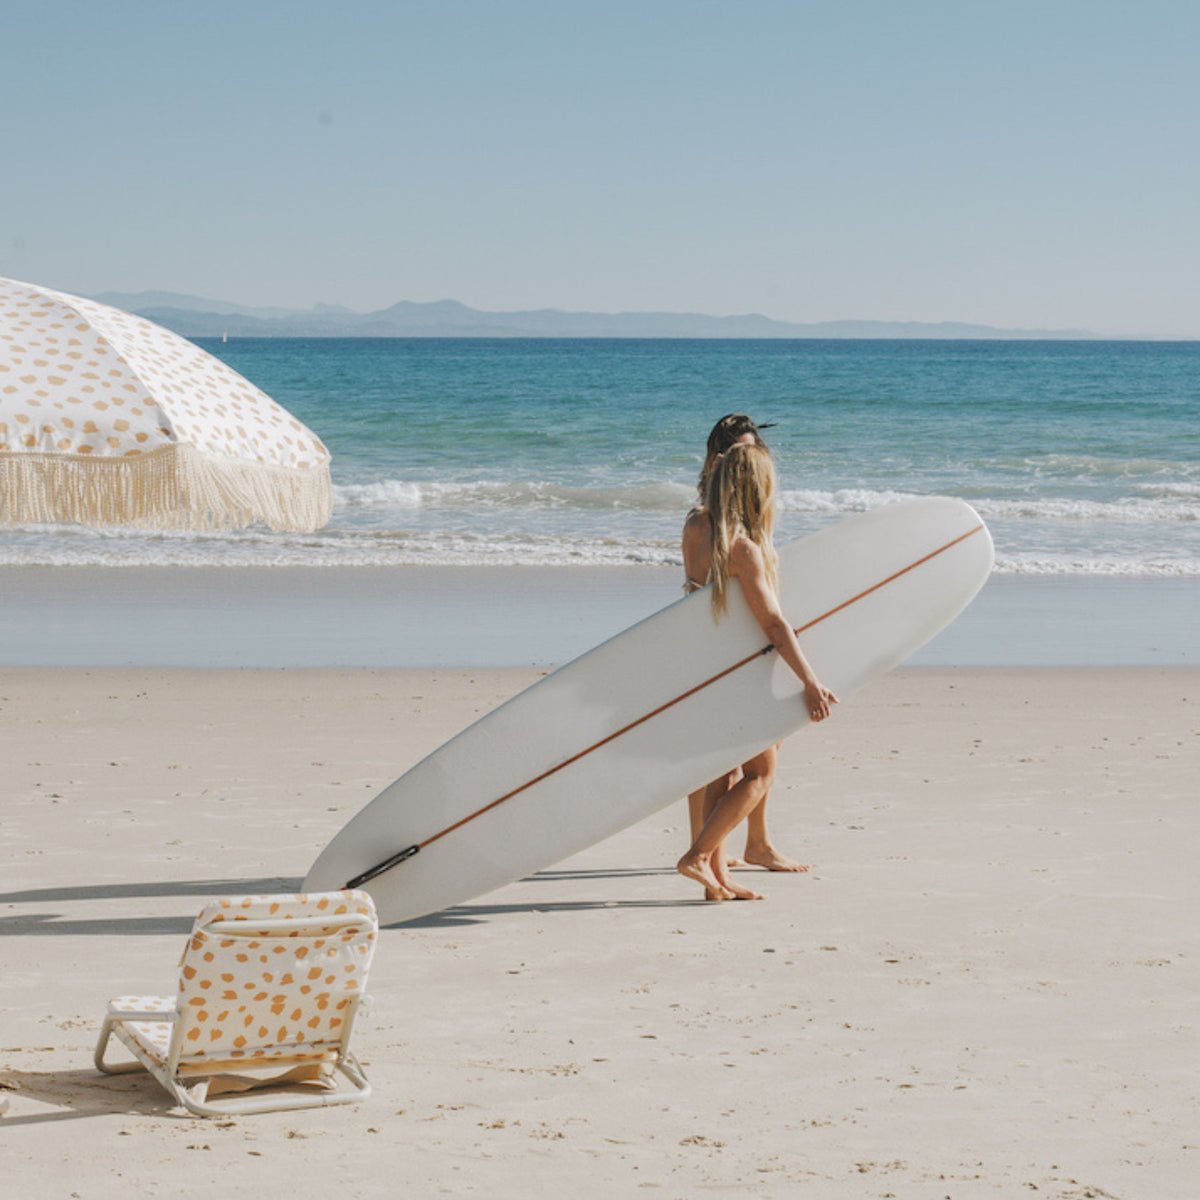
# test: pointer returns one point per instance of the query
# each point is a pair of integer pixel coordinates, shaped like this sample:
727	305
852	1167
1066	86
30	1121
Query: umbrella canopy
109	419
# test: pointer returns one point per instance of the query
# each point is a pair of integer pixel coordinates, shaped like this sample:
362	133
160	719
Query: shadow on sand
84	1093
476	914
52	923
44	923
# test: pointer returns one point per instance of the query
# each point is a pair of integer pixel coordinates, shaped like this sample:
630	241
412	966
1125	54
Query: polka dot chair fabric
106	418
265	981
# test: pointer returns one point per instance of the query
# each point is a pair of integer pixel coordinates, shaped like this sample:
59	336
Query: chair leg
101	1045
277	1102
122	1068
352	1069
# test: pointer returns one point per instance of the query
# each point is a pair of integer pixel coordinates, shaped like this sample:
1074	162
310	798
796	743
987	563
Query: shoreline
492	616
984	985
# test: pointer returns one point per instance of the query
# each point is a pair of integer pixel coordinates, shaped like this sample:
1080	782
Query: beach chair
268	991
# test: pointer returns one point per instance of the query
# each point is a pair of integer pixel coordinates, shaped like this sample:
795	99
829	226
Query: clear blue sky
1014	163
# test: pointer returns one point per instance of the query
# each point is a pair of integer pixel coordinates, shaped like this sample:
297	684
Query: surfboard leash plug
379	868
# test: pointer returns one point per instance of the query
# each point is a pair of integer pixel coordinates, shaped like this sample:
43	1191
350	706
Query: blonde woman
731	430
740	508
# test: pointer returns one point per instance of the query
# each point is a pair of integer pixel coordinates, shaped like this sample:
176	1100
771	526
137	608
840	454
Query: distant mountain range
193	316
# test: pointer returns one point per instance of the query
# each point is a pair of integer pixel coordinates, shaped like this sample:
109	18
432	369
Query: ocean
1083	457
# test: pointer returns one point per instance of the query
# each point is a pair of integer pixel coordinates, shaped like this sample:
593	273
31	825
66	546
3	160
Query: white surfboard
655	712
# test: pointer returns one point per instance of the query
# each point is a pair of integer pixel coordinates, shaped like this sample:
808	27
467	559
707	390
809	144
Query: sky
1005	162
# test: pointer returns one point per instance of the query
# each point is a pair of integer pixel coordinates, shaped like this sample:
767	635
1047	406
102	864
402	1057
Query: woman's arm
697	546
746	564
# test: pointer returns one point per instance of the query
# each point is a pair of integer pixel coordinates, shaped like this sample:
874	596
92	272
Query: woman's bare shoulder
745	559
696	529
745	555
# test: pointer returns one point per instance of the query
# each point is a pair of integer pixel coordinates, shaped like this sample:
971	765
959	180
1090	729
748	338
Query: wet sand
437	616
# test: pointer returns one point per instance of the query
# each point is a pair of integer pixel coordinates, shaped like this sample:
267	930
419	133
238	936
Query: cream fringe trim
175	487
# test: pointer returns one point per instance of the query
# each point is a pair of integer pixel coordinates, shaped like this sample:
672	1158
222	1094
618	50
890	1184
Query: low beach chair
268	991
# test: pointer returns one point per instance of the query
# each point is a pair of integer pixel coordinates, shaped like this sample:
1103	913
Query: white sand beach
984	987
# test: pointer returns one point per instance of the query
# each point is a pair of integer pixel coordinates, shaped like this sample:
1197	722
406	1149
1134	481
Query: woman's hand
819	701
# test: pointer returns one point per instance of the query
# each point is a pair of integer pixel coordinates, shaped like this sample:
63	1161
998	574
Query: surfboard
655	712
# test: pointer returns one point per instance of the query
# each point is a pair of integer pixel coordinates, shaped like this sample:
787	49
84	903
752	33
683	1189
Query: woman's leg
713	795
697	811
704	862
759	848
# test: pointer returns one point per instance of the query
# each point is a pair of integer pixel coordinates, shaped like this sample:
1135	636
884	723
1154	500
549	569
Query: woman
731	430
740	507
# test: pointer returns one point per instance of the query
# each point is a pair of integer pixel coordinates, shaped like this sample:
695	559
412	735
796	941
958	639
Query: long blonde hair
740	503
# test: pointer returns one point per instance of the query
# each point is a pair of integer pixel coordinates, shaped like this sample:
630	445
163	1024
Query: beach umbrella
109	419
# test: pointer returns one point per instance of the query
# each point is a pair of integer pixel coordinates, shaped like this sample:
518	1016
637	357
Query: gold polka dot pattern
257	993
82	378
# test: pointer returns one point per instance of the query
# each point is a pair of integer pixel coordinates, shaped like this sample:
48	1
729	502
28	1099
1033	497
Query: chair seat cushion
153	1037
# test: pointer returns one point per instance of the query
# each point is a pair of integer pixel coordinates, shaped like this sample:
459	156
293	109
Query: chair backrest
273	976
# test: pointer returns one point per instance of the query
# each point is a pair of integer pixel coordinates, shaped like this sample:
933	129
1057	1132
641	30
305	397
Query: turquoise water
1084	457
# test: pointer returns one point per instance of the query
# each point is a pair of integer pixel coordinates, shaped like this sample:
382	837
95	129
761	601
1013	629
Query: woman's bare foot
735	890
699	868
770	858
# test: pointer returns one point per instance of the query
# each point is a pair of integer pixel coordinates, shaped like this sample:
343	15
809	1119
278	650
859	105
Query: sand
986	986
